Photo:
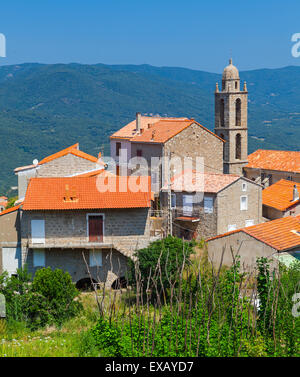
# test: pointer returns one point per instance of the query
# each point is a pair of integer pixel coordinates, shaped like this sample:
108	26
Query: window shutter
38	231
208	205
39	258
95	258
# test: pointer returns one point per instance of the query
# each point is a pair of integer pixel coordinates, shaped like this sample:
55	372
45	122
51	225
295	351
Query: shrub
161	261
59	293
50	299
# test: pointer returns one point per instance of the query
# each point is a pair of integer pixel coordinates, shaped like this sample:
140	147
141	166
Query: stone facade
192	142
10	237
273	213
241	244
114	264
226	210
60	167
66	237
269	177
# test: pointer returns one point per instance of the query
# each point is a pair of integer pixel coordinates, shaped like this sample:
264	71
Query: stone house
147	138
10	240
277	240
67	162
207	204
268	167
281	199
64	219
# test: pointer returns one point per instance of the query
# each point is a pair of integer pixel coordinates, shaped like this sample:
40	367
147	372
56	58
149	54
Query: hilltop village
72	207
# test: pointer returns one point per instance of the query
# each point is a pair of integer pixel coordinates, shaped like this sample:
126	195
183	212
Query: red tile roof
84	193
275	160
129	130
201	182
95	173
9	210
73	149
281	234
156	130
280	195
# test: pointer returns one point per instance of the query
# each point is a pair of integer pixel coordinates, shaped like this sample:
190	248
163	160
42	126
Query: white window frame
87	223
39	258
231	227
206	208
244	186
38	231
247	221
95	258
246	203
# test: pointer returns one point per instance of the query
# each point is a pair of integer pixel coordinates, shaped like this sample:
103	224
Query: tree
160	263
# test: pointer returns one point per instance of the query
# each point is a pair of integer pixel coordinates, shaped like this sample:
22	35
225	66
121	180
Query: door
95	228
187	205
11	259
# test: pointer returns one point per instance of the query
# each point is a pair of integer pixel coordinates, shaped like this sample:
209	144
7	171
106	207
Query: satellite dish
35	162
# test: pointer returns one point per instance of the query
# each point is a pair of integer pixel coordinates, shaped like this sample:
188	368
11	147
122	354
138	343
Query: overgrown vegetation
202	311
178	306
49	299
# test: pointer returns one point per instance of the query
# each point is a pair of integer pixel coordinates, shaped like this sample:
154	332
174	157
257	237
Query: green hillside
44	108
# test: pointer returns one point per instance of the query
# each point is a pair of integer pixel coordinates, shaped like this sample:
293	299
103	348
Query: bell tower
231	108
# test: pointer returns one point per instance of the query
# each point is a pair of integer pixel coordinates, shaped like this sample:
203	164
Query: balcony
186	214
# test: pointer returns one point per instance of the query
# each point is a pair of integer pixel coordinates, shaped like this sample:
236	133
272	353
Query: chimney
295	194
138	122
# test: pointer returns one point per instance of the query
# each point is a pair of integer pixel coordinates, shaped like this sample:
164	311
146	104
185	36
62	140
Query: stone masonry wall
228	205
65	166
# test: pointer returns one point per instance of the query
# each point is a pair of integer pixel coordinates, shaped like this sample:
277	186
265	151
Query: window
231	227
173	200
208	205
139	153
222	112
95	258
95	227
39	258
249	223
244	186
238	112
38	231
238	146
187	205
118	147
244	203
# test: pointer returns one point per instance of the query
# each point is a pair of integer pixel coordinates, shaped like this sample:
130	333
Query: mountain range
48	107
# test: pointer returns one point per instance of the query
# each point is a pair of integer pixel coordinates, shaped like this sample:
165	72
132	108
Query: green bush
51	298
161	261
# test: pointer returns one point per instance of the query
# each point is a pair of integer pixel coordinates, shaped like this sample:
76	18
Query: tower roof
230	72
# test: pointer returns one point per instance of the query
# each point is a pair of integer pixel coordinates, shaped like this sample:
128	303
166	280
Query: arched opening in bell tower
238	112
238	146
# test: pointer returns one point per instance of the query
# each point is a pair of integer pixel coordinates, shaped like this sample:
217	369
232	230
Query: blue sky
187	33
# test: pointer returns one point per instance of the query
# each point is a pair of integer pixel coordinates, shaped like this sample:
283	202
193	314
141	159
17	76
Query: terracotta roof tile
280	195
201	182
129	130
160	130
275	160
9	210
281	234
84	193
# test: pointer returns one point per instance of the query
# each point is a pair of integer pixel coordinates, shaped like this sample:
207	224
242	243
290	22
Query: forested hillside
44	108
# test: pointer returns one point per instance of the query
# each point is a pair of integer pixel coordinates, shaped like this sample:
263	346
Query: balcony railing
189	213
